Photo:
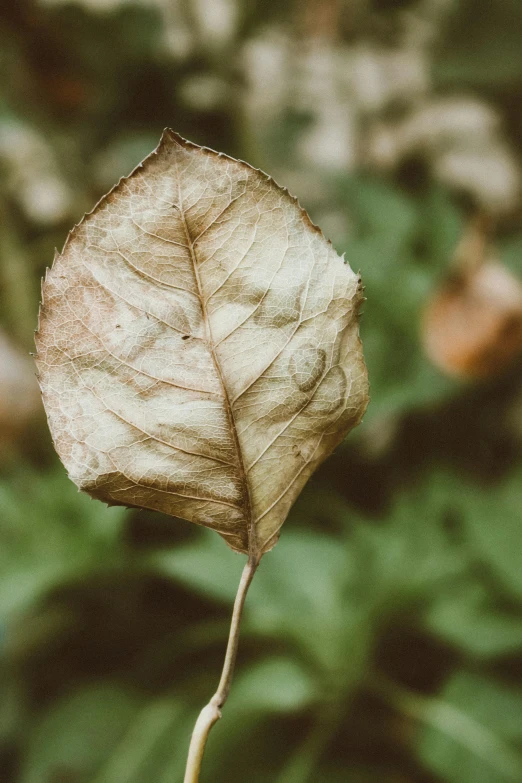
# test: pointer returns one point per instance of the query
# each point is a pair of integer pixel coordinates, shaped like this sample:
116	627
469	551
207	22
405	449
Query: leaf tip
169	137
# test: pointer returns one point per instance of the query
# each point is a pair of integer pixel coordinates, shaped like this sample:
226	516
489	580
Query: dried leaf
472	325
198	345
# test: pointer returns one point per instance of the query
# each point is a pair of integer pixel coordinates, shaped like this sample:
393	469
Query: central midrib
252	536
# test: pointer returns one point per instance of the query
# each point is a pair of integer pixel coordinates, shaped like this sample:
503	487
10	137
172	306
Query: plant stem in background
211	713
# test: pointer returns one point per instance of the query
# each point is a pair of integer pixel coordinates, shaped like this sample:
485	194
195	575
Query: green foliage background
383	635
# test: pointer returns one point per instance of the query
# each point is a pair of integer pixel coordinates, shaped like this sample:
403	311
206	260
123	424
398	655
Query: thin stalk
212	712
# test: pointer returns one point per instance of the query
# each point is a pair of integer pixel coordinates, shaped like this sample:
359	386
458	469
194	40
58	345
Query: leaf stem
211	713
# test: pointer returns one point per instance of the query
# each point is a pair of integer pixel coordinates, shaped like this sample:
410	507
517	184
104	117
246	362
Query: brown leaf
198	345
472	324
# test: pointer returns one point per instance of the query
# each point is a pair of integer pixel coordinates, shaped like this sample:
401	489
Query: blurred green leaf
145	752
401	245
472	731
466	616
276	684
78	734
205	565
511	253
494	520
49	533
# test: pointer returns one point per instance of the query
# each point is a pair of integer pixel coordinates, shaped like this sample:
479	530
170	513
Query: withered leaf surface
198	345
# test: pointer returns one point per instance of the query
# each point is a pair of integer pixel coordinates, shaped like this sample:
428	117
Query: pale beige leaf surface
198	345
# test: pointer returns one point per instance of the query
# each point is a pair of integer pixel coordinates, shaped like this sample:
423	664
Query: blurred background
382	640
